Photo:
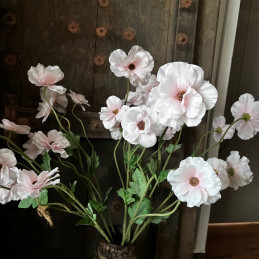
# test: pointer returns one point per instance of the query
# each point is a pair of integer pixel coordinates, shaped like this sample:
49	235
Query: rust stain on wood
129	34
10	60
96	125
182	39
104	3
73	27
101	31
98	60
9	18
186	3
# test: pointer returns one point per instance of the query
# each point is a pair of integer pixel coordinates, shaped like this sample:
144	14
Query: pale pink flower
220	168
219	124
213	199
194	182
44	110
169	133
135	98
113	113
32	151
55	141
7	161
247	109
116	134
182	95
30	184
47	76
20	129
78	99
238	170
140	126
136	66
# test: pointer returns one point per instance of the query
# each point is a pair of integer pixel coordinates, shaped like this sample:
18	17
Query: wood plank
233	240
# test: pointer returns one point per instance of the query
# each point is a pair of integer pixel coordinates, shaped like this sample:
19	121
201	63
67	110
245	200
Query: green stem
202	137
6	188
116	162
159	149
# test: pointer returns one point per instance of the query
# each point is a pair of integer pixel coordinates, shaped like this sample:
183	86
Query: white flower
140	126
169	133
11	126
220	168
135	98
113	113
194	182
182	95
79	99
136	66
238	170
7	161
247	109
32	151
219	124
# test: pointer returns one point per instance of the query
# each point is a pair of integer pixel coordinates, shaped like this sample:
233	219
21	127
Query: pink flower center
180	95
194	181
116	111
131	67
141	125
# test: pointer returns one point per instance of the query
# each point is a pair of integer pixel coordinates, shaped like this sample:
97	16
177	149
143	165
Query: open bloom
194	182
47	76
220	168
247	109
30	184
78	99
182	95
135	98
140	126
54	141
20	129
136	66
113	113
32	151
238	170
219	124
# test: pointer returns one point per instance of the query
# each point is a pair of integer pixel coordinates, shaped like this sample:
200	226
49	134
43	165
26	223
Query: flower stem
116	162
202	137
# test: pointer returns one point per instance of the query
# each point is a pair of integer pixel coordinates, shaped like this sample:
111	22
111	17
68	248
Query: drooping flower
140	126
182	95
54	141
219	124
47	76
238	170
7	161
30	184
44	110
78	99
32	151
247	109
19	129
194	182
220	168
136	66
113	113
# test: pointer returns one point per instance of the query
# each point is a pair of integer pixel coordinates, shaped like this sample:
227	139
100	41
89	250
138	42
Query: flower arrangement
151	116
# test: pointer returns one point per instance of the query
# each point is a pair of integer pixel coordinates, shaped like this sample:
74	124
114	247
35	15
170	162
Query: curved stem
202	137
116	162
159	149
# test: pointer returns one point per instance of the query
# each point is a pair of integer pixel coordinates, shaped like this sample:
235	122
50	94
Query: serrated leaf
25	203
163	176
86	221
152	166
131	159
145	208
126	196
172	148
98	206
139	183
157	220
43	198
46	162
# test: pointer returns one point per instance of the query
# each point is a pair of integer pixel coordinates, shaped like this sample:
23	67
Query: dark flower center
115	111
194	181
141	125
180	95
131	66
216	171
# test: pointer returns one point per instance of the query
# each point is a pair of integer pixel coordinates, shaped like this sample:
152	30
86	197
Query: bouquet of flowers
151	116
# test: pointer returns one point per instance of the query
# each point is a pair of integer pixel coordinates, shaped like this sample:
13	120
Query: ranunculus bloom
135	98
30	184
47	76
140	126
55	141
20	129
136	66
238	170
79	99
182	95
169	133
219	124
194	182
32	151
113	113
220	168
247	109
7	161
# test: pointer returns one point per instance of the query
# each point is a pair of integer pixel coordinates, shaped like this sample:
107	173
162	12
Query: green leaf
43	198
46	162
86	221
145	208
172	148
25	203
98	206
126	196
73	186
107	195
139	184
152	166
157	220
131	159
163	176
34	204
73	140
